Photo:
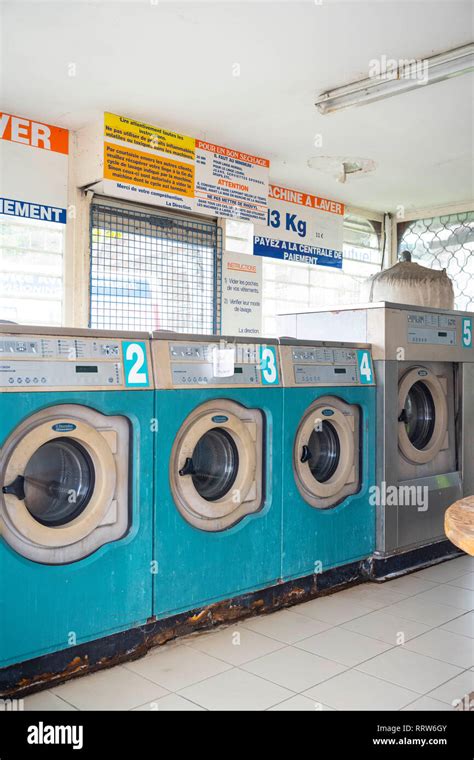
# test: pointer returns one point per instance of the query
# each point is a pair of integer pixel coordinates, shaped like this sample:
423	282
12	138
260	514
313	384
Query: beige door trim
439	440
105	517
345	419
104	485
245	426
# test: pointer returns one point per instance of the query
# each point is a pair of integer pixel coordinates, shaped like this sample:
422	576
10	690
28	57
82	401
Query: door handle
16	488
305	454
403	416
188	468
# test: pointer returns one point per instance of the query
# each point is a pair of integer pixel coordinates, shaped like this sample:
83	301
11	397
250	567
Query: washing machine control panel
431	329
324	365
221	364
42	363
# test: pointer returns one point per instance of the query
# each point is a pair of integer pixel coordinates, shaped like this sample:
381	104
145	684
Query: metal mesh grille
445	242
153	272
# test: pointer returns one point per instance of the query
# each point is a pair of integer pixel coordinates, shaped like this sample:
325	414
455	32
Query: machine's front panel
325	365
83	530
428	328
222	363
412	334
395	331
413	495
219	407
328	455
217	493
45	362
75	506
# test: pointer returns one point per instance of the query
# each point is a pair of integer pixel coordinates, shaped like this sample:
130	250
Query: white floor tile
454	689
45	700
178	667
234	645
429	613
293	668
332	609
409	669
372	595
343	646
453	596
444	645
463	625
353	690
299	702
170	702
384	626
285	626
425	703
409	585
114	689
443	572
235	690
465	581
464	563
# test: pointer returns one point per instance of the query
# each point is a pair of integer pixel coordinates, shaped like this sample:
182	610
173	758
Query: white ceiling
171	64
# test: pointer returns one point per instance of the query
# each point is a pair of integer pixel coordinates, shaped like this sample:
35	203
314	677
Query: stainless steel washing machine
424	363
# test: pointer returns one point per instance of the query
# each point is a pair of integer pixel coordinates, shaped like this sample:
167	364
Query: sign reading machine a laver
164	168
301	227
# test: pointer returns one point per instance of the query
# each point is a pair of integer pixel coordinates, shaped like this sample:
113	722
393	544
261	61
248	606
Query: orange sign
36	134
136	167
230	153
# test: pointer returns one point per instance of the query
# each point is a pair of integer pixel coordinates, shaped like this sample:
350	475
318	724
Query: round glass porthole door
326	452
214	464
323	452
57	487
58	482
422	415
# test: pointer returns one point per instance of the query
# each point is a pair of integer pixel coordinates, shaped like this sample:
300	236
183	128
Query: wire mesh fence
445	242
149	271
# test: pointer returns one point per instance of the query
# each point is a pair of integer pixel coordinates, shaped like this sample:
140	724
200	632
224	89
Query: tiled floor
407	644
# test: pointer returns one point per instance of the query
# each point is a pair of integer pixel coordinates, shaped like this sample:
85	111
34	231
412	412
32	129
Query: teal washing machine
328	455
218	409
76	487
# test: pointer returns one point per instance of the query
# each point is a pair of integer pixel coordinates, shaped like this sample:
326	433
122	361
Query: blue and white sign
27	210
302	228
135	364
306	254
269	365
466	336
366	369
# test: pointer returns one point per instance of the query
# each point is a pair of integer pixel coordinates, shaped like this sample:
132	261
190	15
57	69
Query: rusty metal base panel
53	669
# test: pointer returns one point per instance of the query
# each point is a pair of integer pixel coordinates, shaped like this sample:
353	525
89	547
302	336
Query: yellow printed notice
146	136
135	167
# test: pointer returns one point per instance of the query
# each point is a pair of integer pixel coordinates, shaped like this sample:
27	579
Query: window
151	271
444	242
31	271
290	286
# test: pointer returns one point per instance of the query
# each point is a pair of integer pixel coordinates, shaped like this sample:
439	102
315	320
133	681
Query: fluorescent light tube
390	77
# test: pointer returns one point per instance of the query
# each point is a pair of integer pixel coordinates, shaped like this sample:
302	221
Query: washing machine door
422	415
326	452
64	483
216	466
